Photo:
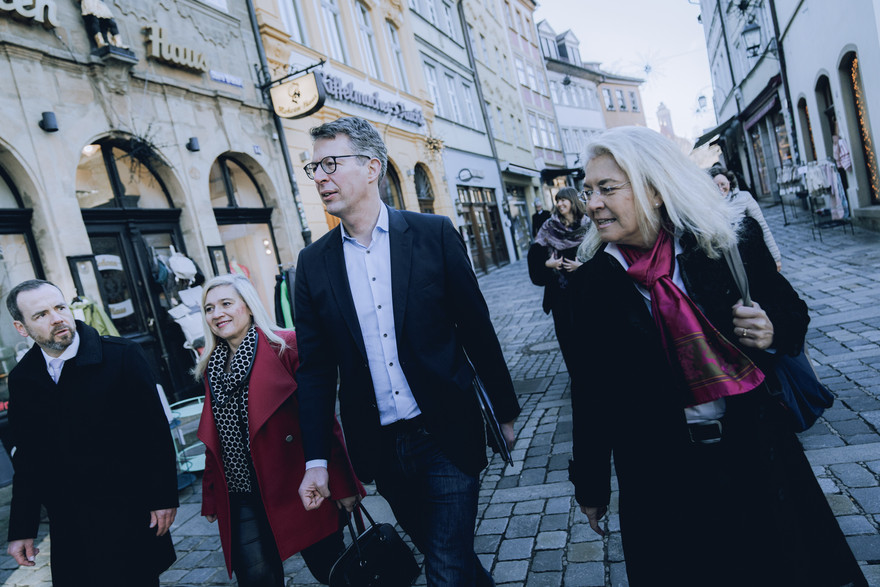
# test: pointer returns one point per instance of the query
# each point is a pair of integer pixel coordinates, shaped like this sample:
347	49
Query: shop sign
299	97
42	11
109	262
161	49
347	93
225	78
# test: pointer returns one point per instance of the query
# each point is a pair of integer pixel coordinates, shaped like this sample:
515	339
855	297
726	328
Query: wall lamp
193	144
48	122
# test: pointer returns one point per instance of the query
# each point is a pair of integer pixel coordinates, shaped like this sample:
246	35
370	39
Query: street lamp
751	35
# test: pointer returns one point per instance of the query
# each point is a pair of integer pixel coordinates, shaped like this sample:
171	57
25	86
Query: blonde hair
654	163
248	294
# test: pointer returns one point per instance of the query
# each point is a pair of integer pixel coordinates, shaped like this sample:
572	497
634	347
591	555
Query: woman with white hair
672	383
254	459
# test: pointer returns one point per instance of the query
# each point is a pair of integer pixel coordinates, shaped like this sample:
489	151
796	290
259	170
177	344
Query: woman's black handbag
377	557
800	392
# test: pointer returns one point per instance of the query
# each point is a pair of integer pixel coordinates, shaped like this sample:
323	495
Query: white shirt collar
68	353
381	223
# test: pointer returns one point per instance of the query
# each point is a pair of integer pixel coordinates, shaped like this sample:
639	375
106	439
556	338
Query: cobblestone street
530	532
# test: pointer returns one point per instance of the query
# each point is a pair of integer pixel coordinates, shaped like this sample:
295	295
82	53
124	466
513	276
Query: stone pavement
530	532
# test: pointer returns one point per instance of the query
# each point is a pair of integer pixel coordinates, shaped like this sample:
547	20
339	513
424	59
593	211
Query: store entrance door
134	300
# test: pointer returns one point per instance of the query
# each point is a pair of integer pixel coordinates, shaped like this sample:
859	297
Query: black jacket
439	314
96	450
746	511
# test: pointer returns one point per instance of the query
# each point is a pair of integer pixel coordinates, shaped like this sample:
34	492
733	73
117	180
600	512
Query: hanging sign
42	11
299	97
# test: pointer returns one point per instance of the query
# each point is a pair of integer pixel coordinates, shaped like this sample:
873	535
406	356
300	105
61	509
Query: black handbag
800	392
377	557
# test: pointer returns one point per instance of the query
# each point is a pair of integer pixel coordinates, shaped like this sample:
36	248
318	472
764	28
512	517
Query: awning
551	173
520	170
707	137
764	109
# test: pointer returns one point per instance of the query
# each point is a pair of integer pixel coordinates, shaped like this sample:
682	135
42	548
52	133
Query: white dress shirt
369	277
68	353
713	410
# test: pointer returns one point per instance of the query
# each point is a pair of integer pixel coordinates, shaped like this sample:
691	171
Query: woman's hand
570	264
752	326
211	518
348	503
554	262
594	514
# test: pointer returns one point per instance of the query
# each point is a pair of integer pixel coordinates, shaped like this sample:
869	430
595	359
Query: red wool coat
276	449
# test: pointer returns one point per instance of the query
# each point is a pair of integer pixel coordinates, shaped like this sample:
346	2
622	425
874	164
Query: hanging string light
864	128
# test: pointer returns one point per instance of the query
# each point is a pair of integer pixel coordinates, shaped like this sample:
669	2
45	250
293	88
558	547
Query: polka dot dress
229	404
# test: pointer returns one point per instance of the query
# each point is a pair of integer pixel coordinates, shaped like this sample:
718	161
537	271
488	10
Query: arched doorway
245	226
864	156
19	262
389	188
806	129
424	191
132	227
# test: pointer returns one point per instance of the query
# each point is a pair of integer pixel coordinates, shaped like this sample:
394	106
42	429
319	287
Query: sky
628	36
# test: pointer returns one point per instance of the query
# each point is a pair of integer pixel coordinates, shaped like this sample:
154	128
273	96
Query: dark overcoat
745	511
276	448
96	451
439	313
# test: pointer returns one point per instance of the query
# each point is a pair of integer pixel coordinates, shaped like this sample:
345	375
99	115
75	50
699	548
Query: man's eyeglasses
328	164
602	190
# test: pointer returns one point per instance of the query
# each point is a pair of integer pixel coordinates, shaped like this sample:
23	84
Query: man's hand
507	432
348	503
211	518
315	488
23	551
161	520
594	515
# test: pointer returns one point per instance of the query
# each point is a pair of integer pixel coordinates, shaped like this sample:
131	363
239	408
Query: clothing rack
818	184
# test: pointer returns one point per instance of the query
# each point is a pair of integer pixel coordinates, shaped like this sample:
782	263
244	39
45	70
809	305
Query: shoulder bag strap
735	263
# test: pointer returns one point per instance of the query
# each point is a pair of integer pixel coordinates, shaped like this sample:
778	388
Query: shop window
807	129
424	190
116	173
245	227
233	186
389	189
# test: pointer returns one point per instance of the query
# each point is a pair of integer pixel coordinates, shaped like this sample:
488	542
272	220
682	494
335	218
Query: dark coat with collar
276	449
439	314
96	451
746	511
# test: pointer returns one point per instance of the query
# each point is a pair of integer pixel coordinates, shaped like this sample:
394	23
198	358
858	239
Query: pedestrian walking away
388	303
92	445
714	485
253	455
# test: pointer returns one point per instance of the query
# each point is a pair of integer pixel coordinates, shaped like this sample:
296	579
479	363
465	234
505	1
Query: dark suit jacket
439	314
96	450
538	220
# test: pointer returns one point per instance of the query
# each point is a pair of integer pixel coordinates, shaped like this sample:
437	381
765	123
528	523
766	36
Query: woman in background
551	260
744	205
254	461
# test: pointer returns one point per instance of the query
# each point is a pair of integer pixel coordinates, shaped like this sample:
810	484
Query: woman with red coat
253	459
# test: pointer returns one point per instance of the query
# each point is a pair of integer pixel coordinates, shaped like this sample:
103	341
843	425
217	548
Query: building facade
120	150
574	90
370	69
831	61
490	27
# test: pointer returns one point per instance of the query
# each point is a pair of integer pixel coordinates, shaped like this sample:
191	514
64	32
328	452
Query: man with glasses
388	303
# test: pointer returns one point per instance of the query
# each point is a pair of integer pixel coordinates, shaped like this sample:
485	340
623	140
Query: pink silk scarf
712	367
